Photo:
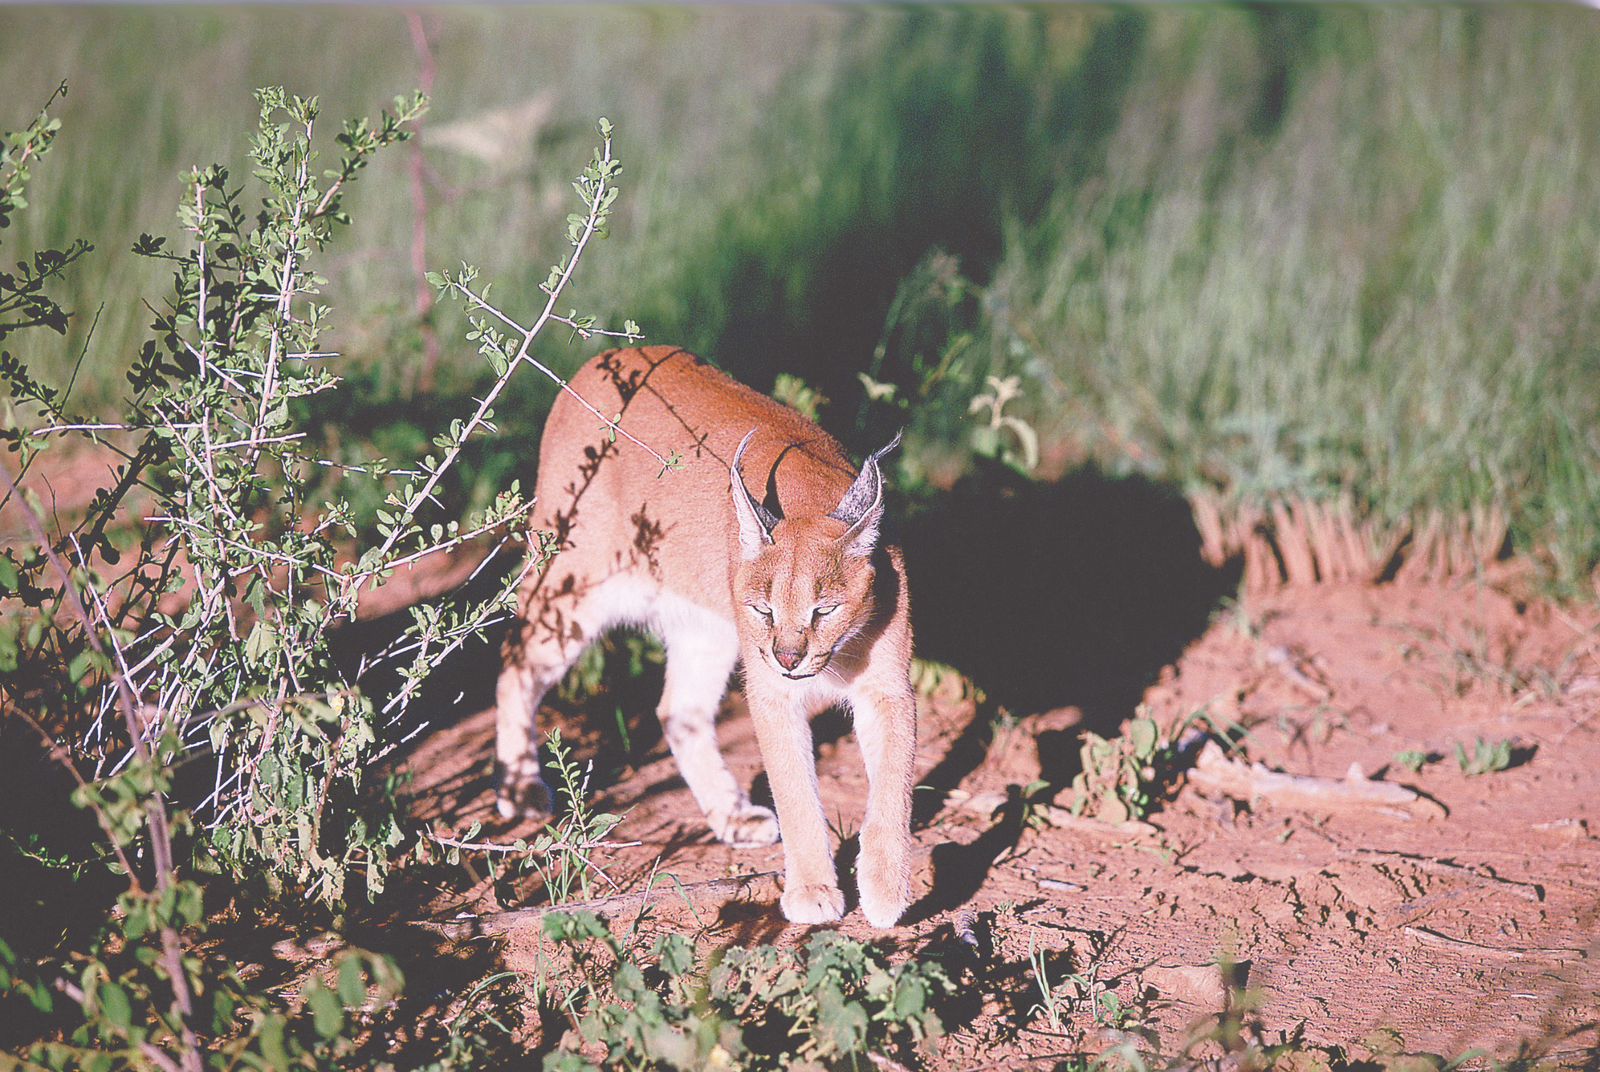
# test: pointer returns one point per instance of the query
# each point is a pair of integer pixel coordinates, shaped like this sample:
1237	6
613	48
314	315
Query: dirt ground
1466	920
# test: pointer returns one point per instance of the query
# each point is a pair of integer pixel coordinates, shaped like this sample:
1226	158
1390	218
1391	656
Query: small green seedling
1411	759
1485	757
1051	1005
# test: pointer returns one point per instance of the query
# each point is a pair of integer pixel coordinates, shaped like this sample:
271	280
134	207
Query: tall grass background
1262	254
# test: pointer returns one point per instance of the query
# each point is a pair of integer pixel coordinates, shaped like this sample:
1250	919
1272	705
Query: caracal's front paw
746	826
884	882
885	893
523	795
813	904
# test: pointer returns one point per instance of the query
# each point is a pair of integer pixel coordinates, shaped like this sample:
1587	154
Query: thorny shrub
180	670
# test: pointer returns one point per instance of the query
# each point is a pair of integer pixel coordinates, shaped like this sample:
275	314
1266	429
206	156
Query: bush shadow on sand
1049	595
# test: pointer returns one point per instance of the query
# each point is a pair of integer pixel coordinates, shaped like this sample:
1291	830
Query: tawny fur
803	596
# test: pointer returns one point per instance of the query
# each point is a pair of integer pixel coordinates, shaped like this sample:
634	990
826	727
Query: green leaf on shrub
114	1005
352	983
1144	735
326	1014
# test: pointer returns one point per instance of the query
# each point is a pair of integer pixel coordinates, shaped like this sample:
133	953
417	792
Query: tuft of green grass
1486	757
1332	250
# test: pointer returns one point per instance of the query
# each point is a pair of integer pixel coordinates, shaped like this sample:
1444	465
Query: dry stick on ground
1254	781
155	809
1283	660
1528	891
1461	945
515	919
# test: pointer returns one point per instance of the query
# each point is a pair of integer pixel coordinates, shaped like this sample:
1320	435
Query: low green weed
1051	1005
1486	757
1121	774
833	1003
1411	759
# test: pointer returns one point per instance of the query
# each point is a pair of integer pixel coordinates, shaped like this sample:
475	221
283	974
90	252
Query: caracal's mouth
798	675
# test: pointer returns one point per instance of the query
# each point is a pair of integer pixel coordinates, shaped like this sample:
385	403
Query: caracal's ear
862	506
756	522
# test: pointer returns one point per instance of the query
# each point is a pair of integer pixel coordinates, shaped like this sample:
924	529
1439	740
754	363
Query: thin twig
59	754
478	418
565	387
1439	940
518	918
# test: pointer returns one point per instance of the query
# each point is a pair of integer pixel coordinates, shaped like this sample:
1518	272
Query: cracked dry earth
1468	920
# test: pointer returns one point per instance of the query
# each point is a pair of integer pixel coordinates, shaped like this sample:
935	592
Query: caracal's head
804	585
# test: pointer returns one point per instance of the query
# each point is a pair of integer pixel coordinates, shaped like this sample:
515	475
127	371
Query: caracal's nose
788	659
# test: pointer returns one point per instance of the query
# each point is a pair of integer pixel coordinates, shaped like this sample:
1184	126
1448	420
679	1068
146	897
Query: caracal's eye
819	613
762	611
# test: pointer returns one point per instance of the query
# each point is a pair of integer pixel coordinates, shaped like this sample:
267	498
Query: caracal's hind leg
701	652
559	617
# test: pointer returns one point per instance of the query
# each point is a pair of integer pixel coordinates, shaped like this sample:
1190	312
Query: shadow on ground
1071	594
1074	593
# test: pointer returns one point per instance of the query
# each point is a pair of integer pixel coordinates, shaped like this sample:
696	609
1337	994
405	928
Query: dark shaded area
1048	595
960	759
53	891
959	871
465	682
1075	593
1285	36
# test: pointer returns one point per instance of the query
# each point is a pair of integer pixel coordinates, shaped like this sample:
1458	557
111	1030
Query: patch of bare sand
1471	928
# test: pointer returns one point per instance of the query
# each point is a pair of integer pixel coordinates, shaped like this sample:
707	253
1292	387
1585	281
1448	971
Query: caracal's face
803	596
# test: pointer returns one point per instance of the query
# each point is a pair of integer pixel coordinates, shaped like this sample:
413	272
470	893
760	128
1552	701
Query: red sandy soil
1466	923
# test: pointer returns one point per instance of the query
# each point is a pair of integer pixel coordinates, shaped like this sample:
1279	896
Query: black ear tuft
867	490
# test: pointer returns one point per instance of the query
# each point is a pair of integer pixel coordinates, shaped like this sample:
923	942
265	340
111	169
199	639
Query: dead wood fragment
716	889
1528	891
1461	945
1254	781
1197	984
1573	829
